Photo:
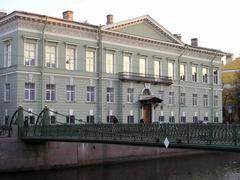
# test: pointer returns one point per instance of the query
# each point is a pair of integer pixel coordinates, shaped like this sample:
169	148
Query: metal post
20	122
45	121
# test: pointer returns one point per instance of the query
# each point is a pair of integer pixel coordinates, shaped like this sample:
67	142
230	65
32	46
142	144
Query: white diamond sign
166	142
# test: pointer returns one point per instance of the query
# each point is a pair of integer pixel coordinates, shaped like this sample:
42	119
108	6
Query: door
147	112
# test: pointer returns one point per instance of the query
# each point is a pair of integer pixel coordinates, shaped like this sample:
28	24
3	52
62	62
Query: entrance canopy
150	99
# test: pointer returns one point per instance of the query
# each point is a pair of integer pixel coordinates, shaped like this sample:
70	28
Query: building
134	69
231	91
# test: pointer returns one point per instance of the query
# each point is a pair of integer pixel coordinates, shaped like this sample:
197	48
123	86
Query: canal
213	166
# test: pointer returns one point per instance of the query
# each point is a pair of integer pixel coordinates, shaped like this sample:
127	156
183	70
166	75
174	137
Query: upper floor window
205	100
29	92
7	53
110	62
170	70
110	95
90	94
215	76
215	101
30	54
90	60
182	98
156	68
171	98
204	75
194	73
51	56
194	99
130	95
142	66
70	93
51	92
7	92
70	58
127	65
182	72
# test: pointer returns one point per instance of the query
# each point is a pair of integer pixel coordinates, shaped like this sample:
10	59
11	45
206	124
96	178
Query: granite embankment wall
15	155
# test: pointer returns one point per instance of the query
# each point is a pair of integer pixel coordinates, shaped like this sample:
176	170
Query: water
214	166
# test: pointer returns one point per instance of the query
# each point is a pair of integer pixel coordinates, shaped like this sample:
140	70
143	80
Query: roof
150	99
234	65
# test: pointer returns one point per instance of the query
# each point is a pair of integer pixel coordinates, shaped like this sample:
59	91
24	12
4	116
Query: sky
214	22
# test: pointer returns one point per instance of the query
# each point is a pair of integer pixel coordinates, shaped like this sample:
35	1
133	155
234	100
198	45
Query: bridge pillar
46	117
20	122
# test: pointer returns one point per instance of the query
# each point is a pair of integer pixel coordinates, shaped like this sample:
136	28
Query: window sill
90	102
70	101
32	101
47	101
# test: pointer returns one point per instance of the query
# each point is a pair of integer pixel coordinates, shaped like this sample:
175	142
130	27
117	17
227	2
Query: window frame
91	66
110	63
110	95
130	95
7	54
91	95
52	92
29	91
70	93
29	51
7	92
55	47
73	56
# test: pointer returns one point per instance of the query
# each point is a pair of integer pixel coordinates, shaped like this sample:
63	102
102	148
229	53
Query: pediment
145	27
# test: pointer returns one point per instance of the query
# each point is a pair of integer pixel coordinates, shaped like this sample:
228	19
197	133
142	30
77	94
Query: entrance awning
150	99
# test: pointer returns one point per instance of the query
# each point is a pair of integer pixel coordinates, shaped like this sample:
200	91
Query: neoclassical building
133	69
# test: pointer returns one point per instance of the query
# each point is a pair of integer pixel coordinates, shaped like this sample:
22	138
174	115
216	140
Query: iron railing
149	78
4	130
217	136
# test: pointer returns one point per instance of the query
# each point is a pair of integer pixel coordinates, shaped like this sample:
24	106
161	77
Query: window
110	118
194	73
205	100
215	76
90	61
142	66
7	54
182	98
53	119
7	92
50	59
30	119
70	119
215	102
195	119
171	119
205	75
127	63
110	63
70	58
130	96
194	99
183	119
6	119
90	119
161	118
70	93
110	95
170	70
90	94
205	118
130	119
171	98
216	119
157	69
182	72
29	92
30	54
50	92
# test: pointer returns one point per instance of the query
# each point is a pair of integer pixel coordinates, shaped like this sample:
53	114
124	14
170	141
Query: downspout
212	85
99	64
179	82
43	59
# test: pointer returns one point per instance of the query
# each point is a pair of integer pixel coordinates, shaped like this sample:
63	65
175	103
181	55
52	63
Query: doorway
147	113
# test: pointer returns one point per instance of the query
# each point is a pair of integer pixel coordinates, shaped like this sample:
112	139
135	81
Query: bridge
188	135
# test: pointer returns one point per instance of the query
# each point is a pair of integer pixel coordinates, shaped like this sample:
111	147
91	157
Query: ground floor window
171	119
130	119
205	118
183	119
195	119
53	119
70	119
161	118
110	118
6	119
90	119
29	119
215	119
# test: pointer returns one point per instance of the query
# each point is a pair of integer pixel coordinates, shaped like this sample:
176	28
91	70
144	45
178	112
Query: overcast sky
214	22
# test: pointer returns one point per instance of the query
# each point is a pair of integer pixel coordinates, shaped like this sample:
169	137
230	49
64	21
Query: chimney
179	36
194	42
68	15
2	13
109	19
229	58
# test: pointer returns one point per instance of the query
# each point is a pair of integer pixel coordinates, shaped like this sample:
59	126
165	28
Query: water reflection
214	166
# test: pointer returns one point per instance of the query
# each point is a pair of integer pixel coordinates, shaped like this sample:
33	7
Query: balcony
147	78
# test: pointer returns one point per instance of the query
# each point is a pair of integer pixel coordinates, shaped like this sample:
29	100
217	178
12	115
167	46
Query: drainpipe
179	82
100	99
212	85
43	59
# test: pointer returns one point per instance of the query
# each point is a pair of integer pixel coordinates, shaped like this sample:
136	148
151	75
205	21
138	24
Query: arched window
146	92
